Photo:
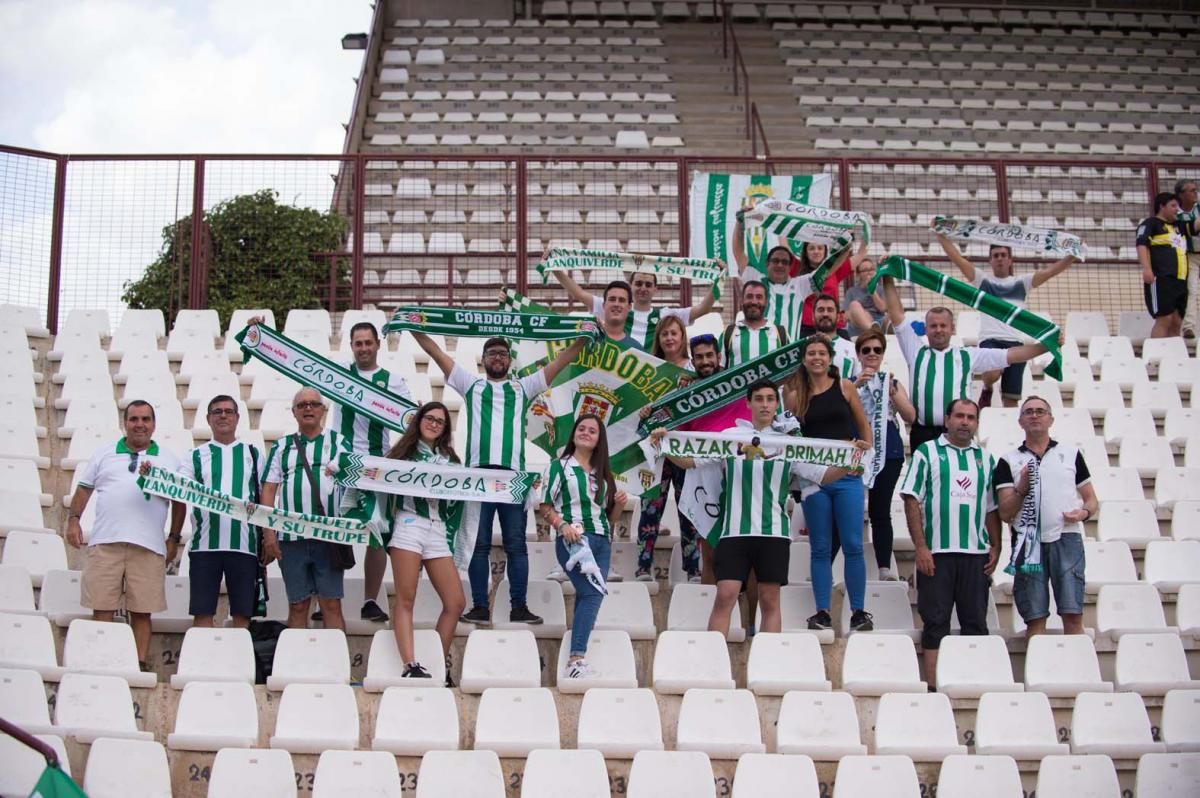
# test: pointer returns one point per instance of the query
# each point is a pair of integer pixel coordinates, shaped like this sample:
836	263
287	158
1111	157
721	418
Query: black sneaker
318	616
523	615
449	681
373	612
861	621
820	621
480	616
414	670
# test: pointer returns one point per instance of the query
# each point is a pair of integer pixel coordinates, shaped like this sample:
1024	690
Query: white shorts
420	535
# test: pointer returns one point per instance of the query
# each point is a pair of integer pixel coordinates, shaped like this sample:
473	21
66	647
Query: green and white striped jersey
743	344
844	357
640	325
956	491
295	491
571	491
785	301
938	377
367	436
754	496
496	416
233	469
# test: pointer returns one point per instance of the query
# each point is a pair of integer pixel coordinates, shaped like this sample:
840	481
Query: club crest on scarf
594	399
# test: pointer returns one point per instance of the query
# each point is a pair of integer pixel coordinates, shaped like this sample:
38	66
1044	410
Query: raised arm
444	361
574	289
956	257
891	296
710	298
1052	271
556	365
739	243
1025	353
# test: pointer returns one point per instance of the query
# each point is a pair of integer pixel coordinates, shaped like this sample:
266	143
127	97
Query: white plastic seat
16	591
1152	664
60	598
347	773
1098	397
779	662
261	772
177	617
310	656
918	726
796	604
969	666
127	769
495	658
18	441
610	660
23	699
1187	609
979	777
880	776
721	723
215	715
468	774
620	722
775	774
1148	455
414	720
1129	609
1132	521
384	665
627	608
215	655
1127	422
1169	564
1063	666
23	766
1107	562
890	607
823	726
546	771
512	721
1167	775
1073	776
22	475
876	664
104	648
27	642
89	706
1180	726
683	660
690	608
1159	398
544	597
314	717
671	774
1113	724
1172	485
36	552
1017	725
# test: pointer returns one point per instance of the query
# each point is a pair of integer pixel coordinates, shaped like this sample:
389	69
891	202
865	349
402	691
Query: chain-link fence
26	226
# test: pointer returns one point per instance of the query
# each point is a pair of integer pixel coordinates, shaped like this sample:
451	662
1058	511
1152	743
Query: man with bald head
296	480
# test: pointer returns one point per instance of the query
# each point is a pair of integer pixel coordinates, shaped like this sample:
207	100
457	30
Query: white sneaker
613	575
695	580
557	575
644	576
885	575
578	670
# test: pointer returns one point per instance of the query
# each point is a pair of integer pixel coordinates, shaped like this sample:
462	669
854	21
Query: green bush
261	257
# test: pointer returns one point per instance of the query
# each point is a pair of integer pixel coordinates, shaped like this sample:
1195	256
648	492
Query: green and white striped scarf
515	325
705	270
311	370
1046	242
518	302
171	485
1024	321
795	221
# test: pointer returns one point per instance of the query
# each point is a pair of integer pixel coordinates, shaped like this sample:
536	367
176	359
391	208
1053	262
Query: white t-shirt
1013	289
123	513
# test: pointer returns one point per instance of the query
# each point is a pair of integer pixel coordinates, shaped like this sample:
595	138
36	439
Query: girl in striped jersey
418	537
581	503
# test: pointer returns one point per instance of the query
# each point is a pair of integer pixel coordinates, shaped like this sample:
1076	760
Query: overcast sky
80	76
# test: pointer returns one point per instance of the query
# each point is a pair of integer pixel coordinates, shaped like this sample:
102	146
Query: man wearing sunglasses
994	334
643	318
496	406
126	555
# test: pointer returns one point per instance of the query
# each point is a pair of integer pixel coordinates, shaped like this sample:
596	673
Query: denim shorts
1062	570
307	571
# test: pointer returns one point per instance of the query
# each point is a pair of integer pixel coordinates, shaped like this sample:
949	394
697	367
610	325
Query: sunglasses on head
706	338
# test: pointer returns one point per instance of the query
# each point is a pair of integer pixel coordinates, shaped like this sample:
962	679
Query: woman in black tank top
827	406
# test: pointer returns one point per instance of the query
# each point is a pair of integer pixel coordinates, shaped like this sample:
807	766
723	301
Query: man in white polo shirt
1046	494
127	555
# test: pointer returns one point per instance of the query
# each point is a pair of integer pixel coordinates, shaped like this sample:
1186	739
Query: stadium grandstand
485	134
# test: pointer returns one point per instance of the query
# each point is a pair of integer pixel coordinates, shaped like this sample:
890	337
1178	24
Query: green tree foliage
261	257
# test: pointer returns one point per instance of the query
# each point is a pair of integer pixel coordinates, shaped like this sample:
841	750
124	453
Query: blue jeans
843	501
512	537
587	597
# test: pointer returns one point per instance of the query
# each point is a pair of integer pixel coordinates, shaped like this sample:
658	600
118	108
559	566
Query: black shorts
1012	379
766	557
1166	295
958	585
205	571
